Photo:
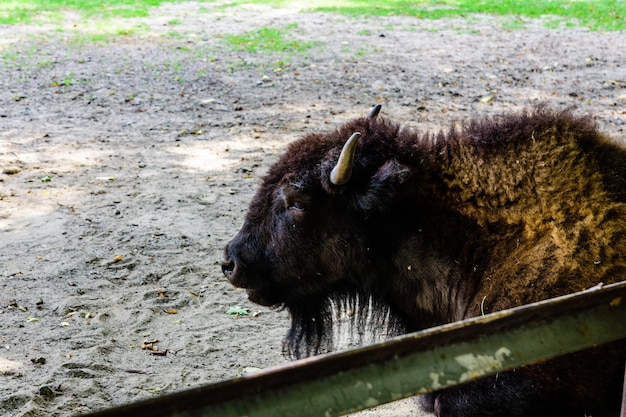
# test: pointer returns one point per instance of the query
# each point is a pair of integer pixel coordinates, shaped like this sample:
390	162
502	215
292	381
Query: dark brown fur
434	228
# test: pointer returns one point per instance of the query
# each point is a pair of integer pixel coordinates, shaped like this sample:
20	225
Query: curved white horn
342	172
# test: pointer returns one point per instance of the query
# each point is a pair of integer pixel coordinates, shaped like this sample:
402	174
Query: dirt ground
127	165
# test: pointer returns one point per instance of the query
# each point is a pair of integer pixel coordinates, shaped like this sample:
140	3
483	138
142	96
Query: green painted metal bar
623	412
340	383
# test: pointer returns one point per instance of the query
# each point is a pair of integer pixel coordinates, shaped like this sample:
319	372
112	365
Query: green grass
268	39
601	15
25	11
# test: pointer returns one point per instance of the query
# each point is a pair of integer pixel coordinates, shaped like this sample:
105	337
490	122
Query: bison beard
409	231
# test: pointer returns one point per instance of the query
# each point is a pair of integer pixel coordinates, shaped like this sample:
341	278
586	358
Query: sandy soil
127	165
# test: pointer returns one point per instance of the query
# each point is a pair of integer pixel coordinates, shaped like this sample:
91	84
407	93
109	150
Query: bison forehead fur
429	229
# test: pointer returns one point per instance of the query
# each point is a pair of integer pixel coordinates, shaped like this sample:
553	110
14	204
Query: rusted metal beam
340	383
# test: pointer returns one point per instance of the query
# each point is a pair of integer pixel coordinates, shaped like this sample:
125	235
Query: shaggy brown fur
432	228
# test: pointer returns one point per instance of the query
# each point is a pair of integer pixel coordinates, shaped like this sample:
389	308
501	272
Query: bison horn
342	172
374	112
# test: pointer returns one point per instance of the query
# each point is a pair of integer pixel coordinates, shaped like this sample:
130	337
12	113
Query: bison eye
297	206
294	199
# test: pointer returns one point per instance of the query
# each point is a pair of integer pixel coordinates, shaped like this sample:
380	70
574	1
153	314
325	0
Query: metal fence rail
340	383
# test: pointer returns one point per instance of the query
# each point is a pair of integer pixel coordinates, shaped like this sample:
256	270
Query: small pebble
11	170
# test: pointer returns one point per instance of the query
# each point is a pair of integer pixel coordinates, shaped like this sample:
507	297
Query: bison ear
385	187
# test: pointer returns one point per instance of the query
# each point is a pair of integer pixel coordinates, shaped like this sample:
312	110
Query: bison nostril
228	267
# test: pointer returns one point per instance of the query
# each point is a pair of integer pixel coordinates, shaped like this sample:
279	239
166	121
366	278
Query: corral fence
340	383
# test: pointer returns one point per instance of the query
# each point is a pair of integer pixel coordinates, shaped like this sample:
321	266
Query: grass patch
268	39
27	11
603	15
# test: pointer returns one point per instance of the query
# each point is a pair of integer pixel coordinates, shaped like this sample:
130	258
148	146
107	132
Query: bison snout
228	267
232	273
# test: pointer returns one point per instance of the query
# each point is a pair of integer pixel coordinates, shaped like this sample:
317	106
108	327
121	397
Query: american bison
418	230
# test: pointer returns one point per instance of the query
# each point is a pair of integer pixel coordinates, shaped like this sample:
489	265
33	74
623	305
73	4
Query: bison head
313	234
